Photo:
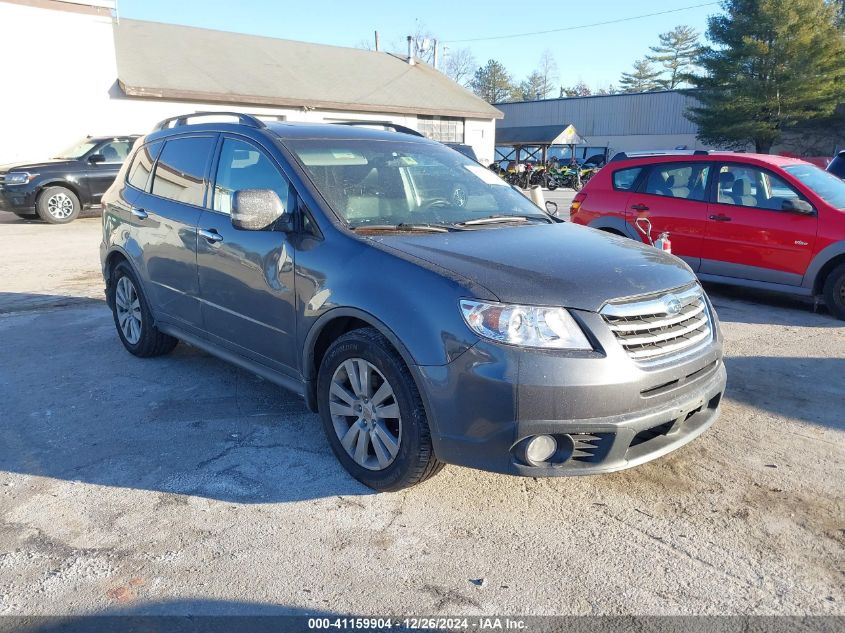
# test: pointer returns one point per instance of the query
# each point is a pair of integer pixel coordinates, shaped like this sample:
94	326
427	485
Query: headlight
18	178
527	326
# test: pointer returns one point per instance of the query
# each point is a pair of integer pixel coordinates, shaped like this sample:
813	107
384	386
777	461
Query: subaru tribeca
427	311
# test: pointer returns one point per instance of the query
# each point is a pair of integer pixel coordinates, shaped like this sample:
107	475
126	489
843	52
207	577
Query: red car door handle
720	218
639	207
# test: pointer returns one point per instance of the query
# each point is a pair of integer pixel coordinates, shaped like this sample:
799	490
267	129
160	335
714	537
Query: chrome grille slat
651	330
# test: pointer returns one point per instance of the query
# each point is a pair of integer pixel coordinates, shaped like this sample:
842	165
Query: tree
580	89
530	89
459	65
547	70
676	53
775	65
642	79
492	82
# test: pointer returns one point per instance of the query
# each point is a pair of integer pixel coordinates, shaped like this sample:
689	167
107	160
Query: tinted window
837	166
624	178
142	165
673	180
115	151
180	171
243	166
748	186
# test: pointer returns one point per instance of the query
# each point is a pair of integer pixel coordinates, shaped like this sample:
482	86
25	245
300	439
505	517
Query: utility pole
376	34
434	60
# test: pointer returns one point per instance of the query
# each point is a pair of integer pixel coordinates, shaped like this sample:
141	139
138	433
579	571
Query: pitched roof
181	62
538	135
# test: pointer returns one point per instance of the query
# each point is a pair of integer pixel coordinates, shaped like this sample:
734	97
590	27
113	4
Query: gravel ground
184	485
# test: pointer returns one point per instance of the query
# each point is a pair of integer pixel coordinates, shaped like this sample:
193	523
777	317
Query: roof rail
182	119
659	152
385	124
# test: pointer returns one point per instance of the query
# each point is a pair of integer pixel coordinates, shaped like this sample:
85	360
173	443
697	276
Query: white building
74	69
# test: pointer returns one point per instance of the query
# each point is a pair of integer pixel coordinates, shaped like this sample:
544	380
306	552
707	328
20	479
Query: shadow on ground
743	305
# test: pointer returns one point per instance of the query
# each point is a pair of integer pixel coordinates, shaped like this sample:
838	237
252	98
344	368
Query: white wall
65	88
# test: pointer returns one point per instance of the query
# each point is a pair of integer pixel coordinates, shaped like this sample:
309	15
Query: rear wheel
57	205
372	413
834	292
132	316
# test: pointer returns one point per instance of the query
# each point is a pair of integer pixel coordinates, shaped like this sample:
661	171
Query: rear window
180	171
824	184
624	179
142	165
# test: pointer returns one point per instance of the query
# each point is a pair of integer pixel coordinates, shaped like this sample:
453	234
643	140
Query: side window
623	179
678	180
142	165
180	171
115	151
244	166
747	186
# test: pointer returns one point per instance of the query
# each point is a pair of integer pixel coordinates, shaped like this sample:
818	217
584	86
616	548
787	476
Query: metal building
611	123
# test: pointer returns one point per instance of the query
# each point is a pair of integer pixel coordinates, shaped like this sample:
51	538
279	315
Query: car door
246	278
748	234
100	175
165	222
672	197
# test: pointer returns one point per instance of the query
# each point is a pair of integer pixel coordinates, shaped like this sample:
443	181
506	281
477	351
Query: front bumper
606	412
17	200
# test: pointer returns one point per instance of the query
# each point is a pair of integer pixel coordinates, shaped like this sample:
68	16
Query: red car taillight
576	203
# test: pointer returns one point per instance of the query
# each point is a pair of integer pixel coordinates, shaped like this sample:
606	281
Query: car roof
290	130
763	160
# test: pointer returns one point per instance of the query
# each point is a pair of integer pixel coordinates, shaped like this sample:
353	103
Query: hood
51	163
558	265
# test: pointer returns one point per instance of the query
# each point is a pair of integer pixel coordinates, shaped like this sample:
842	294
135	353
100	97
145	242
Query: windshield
373	182
77	150
827	186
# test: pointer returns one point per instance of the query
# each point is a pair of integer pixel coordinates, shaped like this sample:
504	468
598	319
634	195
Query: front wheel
372	413
58	205
834	292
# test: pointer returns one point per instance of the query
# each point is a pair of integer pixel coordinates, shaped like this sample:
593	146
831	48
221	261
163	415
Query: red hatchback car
753	220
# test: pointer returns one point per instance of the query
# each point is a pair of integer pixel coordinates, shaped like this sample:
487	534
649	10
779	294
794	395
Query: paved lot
181	484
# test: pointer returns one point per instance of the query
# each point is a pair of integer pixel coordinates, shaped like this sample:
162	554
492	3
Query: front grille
653	329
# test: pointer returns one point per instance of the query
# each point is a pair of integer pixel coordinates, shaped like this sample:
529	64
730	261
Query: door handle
139	213
720	218
639	207
211	235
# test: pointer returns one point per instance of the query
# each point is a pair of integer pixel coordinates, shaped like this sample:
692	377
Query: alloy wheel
365	414
60	206
127	303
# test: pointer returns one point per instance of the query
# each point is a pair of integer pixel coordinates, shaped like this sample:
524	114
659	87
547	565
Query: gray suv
427	311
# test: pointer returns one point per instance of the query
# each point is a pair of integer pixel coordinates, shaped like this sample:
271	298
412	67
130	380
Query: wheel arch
60	183
615	225
328	328
825	261
114	257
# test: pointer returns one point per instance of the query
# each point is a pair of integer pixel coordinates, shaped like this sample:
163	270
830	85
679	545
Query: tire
57	205
354	413
144	339
551	183
834	292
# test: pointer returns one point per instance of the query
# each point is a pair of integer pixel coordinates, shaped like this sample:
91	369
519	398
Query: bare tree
460	66
547	69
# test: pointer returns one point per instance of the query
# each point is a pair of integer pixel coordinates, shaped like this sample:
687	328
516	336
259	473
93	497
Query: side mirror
551	208
796	205
96	158
259	210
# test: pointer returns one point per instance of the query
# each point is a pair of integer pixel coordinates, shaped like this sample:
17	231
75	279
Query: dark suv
429	312
56	190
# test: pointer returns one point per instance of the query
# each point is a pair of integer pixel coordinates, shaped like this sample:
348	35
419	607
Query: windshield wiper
502	219
405	226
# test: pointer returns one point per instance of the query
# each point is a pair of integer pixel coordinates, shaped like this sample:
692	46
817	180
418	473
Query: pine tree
642	79
676	54
775	65
532	88
492	82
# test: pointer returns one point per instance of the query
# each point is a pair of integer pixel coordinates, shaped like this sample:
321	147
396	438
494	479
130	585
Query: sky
595	54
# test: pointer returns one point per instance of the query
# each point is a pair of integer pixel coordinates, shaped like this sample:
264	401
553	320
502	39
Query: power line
582	26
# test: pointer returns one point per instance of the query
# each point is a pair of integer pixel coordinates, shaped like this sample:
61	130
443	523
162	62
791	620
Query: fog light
540	448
